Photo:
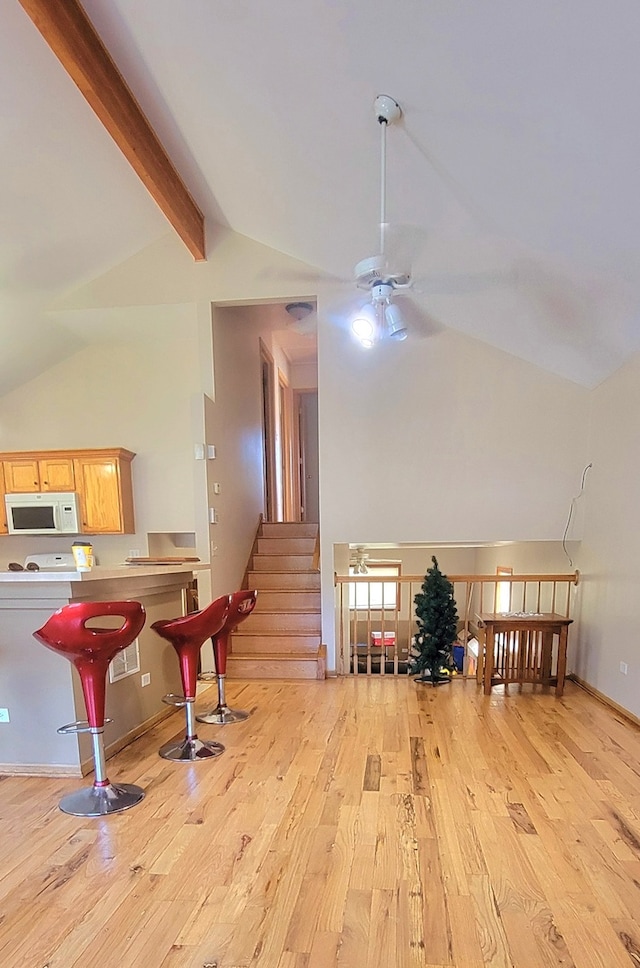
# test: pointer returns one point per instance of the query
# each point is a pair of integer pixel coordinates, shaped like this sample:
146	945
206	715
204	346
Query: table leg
562	660
547	652
489	659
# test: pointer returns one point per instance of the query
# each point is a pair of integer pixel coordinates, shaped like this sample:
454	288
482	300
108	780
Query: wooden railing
375	638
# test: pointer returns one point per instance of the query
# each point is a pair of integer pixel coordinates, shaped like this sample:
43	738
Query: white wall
529	557
236	423
147	383
135	395
609	559
448	440
415	561
442	440
304	376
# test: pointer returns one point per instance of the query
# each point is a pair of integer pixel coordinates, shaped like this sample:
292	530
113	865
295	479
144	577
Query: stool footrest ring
81	726
178	701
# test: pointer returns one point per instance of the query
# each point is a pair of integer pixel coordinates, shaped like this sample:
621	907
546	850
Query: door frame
299	440
290	502
269	454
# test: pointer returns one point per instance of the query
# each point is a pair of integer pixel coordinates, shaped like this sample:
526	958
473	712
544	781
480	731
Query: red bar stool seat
241	607
187	635
91	650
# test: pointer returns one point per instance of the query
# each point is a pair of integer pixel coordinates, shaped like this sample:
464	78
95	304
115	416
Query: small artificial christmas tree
437	617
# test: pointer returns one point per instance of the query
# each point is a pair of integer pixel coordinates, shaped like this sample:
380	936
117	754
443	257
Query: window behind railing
374	594
374	627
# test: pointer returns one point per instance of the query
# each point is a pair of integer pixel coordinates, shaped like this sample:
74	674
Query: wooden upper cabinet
21	475
103	481
3	510
101	478
29	474
56	474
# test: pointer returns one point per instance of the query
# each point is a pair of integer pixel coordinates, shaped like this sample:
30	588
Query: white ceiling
517	158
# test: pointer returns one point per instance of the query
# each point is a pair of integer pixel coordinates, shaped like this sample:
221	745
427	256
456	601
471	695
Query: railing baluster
472	591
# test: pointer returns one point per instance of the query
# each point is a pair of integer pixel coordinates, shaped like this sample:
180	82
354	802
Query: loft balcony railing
376	623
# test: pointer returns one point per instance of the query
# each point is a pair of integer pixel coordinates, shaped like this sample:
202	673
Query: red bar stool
242	605
91	650
187	635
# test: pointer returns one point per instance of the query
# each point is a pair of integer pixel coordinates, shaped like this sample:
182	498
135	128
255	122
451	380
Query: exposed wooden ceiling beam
71	36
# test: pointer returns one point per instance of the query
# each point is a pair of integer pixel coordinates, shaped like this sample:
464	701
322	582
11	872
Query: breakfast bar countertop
98	573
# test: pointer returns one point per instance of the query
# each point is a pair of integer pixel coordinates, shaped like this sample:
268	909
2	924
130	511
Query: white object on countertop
52	561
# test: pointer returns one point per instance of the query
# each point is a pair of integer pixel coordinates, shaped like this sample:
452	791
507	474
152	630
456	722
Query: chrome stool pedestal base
189	750
100	801
222	715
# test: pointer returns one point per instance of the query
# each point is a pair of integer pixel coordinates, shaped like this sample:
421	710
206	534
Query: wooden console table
519	648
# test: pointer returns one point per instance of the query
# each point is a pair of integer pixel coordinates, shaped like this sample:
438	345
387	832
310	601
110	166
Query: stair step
285	580
282	562
288	529
286	546
288	600
276	665
281	621
258	642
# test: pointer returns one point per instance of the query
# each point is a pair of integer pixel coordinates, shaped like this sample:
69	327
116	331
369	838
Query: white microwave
45	513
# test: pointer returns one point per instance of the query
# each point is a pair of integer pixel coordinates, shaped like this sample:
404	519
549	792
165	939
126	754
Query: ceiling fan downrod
388	111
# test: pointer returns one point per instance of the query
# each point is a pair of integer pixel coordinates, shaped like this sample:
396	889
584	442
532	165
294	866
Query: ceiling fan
381	318
391	309
358	561
386	275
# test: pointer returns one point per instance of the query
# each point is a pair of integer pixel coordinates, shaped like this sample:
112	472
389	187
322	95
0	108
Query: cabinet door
56	474
21	476
3	509
99	485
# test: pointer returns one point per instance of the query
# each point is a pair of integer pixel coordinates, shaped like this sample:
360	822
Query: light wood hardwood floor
350	824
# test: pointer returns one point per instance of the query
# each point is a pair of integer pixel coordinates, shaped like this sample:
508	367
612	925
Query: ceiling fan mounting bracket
387	109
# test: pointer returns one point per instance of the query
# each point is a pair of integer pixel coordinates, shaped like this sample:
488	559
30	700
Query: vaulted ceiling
515	163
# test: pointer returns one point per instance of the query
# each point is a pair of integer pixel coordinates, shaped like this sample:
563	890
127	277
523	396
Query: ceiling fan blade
555	295
342	308
398	245
403	242
420	323
463	283
309	278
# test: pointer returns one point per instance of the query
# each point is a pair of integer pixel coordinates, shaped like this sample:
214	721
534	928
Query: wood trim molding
614	706
118	453
254	549
73	39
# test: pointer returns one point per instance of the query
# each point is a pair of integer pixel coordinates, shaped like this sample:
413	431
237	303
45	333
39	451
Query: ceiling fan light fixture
364	326
396	325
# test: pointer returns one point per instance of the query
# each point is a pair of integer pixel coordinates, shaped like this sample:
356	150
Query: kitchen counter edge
100	573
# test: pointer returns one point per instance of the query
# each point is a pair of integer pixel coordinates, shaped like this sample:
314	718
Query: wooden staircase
281	639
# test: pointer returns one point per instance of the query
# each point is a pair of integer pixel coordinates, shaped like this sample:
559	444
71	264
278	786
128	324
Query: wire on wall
571	509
